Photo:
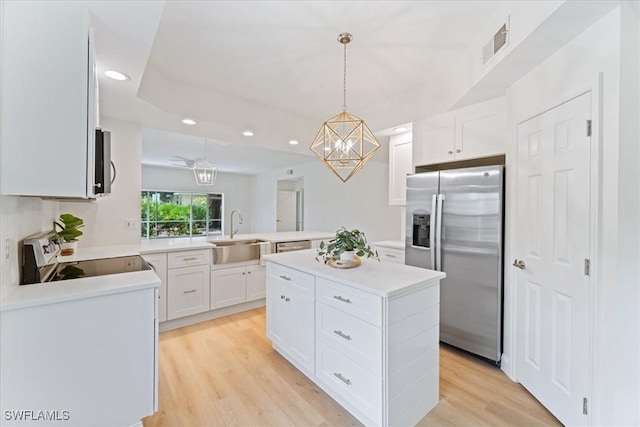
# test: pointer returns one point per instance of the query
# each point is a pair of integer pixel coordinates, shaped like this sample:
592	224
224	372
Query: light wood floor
224	373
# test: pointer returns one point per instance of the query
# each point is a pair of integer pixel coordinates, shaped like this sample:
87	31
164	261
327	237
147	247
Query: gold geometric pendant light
344	143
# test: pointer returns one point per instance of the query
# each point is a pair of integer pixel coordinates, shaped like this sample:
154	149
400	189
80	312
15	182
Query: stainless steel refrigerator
455	225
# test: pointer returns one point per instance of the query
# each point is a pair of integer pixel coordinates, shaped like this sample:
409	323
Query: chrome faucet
231	221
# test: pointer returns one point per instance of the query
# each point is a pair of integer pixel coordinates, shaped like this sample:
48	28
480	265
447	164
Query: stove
39	264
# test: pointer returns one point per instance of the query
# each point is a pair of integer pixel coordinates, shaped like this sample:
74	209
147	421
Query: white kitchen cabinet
471	132
188	289
235	285
390	251
256	282
433	140
291	315
188	258
400	164
95	357
228	287
375	354
480	130
49	100
158	262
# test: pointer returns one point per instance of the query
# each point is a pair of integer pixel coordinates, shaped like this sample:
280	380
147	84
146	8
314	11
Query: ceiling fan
204	171
184	162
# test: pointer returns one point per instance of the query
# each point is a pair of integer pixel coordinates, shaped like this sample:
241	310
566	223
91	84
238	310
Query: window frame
148	222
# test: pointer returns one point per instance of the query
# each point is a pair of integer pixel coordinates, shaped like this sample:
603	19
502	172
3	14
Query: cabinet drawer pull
343	335
343	299
190	291
285	277
458	150
450	152
193	258
390	256
338	375
282	297
287	299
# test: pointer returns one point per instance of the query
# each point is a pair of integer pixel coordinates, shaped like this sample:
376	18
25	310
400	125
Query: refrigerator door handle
438	243
432	231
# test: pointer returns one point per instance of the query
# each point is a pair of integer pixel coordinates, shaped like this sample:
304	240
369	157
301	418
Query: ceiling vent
499	40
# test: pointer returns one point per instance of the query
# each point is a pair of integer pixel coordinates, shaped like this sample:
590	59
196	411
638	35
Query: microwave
105	172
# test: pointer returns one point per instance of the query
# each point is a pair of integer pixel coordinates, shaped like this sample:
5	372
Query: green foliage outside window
168	214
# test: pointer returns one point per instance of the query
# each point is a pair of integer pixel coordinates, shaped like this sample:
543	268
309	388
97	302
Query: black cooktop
100	267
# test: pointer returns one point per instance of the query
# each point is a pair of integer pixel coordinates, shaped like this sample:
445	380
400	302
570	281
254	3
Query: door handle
519	263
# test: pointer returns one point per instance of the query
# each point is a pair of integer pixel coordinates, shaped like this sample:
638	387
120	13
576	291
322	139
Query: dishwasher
299	245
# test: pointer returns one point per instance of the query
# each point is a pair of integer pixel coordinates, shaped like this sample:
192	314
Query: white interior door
287	210
552	289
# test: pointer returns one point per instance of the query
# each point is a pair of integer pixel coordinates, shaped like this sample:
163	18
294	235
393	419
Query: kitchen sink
228	251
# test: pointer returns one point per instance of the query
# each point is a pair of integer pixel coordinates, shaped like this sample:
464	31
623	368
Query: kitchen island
368	336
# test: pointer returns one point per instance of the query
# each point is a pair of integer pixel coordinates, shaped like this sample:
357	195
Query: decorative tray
336	263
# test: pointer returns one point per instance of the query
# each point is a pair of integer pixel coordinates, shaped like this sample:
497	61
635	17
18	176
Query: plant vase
69	248
348	256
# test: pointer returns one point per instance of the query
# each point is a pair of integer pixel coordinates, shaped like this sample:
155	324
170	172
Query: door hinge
588	127
584	406
587	267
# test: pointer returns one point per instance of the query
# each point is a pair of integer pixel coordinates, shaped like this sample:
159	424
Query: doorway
290	205
553	249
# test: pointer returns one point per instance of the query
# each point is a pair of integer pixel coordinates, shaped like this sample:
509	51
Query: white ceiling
275	67
164	148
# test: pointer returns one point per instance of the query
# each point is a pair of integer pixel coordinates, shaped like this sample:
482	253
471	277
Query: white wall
235	187
597	50
20	217
105	219
361	202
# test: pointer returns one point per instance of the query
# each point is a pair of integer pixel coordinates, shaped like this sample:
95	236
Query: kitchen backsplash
19	218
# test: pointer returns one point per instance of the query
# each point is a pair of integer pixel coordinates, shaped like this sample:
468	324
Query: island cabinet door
302	329
278	314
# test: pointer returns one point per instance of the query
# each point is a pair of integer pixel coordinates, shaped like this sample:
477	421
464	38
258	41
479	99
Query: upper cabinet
400	154
468	133
49	100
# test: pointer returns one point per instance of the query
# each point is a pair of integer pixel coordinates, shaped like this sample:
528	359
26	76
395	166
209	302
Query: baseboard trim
210	315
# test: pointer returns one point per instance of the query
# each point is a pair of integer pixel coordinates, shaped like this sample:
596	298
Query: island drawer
355	302
352	382
188	258
291	277
355	338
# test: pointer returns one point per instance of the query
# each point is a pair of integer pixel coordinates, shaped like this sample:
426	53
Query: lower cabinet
187	291
94	358
375	355
231	286
158	262
390	254
291	315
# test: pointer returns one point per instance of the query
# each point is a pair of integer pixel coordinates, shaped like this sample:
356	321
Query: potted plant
346	246
67	228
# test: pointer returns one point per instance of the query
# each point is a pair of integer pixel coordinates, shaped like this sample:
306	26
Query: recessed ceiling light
247	133
116	75
293	142
400	129
189	122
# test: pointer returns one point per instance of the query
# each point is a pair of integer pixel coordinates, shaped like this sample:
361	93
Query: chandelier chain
344	84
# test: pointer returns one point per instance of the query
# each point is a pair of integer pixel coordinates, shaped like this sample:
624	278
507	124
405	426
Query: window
180	214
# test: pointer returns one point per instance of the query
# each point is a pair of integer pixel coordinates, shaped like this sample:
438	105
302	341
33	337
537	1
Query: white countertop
393	244
382	278
48	293
183	244
70	290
